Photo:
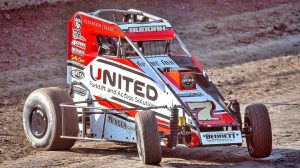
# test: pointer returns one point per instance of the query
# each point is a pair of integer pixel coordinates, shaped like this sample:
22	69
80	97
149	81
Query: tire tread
146	121
262	132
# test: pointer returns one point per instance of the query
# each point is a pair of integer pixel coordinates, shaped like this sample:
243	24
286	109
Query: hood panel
205	102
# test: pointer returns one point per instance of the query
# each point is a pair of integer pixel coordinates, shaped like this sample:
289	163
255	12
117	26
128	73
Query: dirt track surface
15	4
251	51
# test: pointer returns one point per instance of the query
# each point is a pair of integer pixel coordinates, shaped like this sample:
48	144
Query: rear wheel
148	139
258	131
42	119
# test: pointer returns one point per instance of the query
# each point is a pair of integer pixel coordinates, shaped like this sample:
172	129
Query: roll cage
140	18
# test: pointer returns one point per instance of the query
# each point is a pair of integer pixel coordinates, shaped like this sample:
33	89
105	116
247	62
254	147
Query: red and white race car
131	79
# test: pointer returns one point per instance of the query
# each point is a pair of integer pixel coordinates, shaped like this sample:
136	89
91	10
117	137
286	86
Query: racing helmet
106	47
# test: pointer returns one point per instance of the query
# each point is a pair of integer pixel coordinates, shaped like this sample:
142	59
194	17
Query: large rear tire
258	131
148	139
42	119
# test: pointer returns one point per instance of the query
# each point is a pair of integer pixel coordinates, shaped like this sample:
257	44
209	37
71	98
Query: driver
106	46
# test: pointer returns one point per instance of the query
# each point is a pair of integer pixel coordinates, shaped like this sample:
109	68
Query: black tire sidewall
140	139
148	137
260	143
38	99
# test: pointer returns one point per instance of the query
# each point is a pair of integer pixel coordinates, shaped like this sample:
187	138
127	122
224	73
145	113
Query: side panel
119	129
122	86
82	47
204	104
194	99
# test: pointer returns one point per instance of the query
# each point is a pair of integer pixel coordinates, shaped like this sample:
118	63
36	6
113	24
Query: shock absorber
172	140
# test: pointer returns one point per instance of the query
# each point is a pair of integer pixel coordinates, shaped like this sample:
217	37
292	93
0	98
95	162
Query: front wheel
148	139
258	131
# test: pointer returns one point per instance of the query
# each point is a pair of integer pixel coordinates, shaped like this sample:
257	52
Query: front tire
258	131
42	119
148	139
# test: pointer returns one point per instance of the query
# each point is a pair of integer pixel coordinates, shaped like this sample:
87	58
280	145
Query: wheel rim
38	122
249	136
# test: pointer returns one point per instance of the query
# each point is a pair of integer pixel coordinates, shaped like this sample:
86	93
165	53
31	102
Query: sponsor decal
77	22
108	28
119	123
77	35
78	44
77	74
157	61
80	91
198	94
99	25
188	81
92	23
147	29
113	80
221	137
119	93
77	59
77	51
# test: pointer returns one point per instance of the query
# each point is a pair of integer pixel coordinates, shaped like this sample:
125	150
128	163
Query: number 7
203	110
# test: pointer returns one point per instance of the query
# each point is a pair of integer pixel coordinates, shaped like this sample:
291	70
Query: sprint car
131	79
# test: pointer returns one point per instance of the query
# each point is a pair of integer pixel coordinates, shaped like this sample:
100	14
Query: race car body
131	78
160	77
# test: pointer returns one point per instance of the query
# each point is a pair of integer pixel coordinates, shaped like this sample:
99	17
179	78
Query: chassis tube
182	45
161	79
146	61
